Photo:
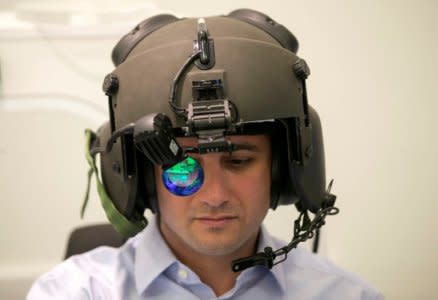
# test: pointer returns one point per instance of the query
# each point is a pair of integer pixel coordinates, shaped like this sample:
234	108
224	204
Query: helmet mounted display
207	78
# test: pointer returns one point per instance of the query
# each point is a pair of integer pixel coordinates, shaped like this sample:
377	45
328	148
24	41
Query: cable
128	129
180	111
315	245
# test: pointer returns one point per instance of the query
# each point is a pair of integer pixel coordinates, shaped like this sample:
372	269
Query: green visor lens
184	178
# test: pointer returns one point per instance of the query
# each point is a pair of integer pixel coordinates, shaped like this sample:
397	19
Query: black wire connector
304	229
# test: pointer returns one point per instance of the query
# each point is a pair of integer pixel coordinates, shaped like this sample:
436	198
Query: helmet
222	75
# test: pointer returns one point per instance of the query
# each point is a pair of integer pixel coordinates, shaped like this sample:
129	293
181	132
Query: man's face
226	212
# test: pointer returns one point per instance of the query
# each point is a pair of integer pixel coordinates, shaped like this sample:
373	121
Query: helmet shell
256	72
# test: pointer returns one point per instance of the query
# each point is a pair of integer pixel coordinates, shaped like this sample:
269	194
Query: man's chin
218	247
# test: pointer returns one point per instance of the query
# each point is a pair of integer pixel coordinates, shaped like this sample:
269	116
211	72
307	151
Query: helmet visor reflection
184	178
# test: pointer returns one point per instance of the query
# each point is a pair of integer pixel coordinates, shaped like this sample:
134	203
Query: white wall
374	69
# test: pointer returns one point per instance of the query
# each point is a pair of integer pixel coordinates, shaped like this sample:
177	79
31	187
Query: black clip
205	46
329	199
265	258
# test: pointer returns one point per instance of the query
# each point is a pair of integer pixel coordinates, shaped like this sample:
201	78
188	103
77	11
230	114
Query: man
221	221
209	128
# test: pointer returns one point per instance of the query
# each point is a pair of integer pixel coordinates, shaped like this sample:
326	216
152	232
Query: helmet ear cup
282	192
120	187
277	31
275	172
309	180
143	29
131	193
296	184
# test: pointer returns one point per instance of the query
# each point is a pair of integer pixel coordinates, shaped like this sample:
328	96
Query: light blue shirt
145	268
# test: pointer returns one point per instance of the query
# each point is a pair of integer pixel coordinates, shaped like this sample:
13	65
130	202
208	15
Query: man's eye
239	162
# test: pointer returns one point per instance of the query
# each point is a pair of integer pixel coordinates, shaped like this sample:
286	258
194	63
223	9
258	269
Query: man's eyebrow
245	146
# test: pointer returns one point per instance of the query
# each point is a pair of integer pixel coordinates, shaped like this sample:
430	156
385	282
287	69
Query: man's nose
216	188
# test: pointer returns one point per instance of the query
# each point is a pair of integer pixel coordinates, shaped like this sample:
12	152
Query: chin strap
304	229
123	225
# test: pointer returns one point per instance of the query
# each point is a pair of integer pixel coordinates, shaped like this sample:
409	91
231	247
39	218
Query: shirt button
182	274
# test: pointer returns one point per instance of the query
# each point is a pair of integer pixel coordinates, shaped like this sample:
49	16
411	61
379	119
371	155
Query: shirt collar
277	271
152	256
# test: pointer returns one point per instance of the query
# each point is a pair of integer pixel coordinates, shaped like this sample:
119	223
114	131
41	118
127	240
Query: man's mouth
216	221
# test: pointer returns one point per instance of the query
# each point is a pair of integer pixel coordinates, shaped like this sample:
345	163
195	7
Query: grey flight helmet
208	78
